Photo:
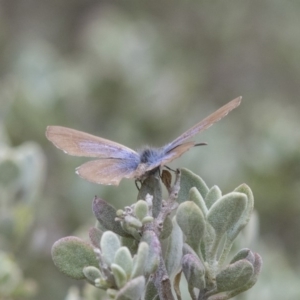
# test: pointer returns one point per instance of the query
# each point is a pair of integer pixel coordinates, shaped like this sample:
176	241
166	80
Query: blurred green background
142	73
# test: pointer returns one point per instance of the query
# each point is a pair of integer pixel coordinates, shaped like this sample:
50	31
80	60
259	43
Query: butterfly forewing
79	143
177	152
205	123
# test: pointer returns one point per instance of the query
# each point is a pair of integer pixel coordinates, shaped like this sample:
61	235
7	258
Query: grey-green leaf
119	275
141	209
212	196
123	258
226	212
71	254
234	276
106	214
174	251
154	251
195	196
140	260
194	271
191	221
234	231
133	290
92	273
189	180
109	245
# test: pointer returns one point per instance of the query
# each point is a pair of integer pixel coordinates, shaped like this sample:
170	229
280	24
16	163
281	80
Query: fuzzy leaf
151	291
109	245
106	214
194	271
243	221
123	259
226	212
234	276
212	196
91	273
130	243
167	228
140	260
257	265
191	221
154	251
195	196
141	209
132	222
95	235
133	290
174	251
189	180
244	254
71	254
257	268
119	275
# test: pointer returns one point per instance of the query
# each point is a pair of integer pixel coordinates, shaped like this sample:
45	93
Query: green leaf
212	196
167	228
123	259
70	255
257	265
109	245
141	209
95	235
195	196
151	291
243	221
91	273
191	221
140	260
174	251
154	251
119	275
106	214
194	271
226	212
133	290
244	254
234	276
189	180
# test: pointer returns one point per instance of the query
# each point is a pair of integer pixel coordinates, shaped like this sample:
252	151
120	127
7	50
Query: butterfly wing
177	152
171	155
204	124
107	171
78	143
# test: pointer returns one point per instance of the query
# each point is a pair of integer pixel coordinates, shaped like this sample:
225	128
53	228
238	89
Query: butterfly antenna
170	168
201	144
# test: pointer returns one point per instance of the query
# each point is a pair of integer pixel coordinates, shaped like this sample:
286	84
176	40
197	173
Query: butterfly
117	161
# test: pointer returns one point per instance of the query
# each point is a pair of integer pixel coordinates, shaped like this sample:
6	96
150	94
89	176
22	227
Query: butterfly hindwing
107	171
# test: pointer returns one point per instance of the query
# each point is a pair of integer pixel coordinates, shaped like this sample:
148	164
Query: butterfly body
115	161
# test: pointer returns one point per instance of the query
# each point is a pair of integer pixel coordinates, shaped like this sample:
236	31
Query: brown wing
204	124
107	171
177	152
171	155
78	143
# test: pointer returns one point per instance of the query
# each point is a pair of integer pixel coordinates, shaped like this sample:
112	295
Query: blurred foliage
140	73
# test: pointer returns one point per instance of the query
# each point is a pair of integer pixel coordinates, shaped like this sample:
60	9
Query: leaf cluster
142	251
